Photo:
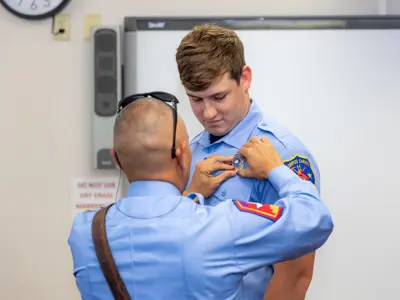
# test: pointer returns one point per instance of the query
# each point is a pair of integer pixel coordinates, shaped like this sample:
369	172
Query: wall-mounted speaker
108	91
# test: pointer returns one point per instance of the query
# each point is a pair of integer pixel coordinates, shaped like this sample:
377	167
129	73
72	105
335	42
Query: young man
213	70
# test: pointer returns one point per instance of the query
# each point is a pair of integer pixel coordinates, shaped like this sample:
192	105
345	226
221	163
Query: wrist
190	190
280	176
267	171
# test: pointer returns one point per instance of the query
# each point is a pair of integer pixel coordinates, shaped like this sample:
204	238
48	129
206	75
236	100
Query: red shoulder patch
272	212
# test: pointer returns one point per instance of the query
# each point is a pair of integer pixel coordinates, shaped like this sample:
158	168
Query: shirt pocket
236	188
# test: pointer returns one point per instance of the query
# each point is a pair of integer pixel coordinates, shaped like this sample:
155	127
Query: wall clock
34	9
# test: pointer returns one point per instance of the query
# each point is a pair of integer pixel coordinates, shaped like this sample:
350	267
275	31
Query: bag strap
104	256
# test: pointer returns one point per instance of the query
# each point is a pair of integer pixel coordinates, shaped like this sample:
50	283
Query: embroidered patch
272	212
301	165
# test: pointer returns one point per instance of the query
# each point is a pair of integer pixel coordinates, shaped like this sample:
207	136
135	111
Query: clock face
34	9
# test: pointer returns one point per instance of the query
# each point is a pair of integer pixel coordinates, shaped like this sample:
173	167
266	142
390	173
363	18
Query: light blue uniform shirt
166	246
295	155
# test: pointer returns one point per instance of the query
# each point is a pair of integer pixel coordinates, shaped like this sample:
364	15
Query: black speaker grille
106	63
106	40
106	84
106	68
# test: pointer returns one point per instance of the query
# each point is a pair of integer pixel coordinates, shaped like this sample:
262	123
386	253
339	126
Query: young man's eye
219	97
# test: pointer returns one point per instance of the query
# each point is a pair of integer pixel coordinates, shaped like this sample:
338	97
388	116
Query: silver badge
238	161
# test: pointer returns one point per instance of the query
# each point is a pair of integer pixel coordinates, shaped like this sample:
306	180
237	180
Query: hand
261	158
203	181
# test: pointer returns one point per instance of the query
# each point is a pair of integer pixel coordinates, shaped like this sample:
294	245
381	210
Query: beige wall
45	103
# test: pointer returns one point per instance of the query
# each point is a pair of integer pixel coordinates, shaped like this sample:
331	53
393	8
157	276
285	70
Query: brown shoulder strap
104	255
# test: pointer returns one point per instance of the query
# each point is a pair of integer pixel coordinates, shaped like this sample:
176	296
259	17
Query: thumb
225	175
243	172
264	139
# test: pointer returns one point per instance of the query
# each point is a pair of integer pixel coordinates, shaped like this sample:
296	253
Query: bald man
165	245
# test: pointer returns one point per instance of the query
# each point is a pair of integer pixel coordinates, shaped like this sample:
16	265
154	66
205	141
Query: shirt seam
90	282
183	259
233	244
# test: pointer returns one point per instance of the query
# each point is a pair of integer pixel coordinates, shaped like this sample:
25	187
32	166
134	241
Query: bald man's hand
261	158
203	181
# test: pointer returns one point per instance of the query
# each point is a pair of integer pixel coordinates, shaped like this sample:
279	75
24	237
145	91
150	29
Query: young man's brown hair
208	52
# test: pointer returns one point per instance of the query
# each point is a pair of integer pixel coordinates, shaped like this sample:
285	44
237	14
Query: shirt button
264	124
223	193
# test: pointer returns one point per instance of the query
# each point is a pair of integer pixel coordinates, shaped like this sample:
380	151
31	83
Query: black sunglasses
162	96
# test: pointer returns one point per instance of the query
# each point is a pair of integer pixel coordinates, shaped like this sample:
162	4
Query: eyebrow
222	93
213	95
190	95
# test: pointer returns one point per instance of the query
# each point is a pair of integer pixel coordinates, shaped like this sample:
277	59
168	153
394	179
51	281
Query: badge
238	161
301	165
272	212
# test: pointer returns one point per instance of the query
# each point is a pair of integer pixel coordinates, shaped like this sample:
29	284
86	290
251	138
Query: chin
218	131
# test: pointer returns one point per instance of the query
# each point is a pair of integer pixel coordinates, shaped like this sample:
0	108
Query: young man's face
223	105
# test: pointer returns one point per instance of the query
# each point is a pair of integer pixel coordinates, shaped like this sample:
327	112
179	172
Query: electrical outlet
90	21
61	27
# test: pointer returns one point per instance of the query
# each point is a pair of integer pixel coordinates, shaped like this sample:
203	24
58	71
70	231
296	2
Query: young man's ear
246	78
115	157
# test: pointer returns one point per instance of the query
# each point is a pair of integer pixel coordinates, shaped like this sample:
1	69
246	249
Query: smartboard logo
156	24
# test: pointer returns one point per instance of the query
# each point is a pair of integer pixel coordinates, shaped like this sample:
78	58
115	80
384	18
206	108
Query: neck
247	108
170	177
244	114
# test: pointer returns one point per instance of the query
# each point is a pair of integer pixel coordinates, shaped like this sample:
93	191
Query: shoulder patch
301	165
272	212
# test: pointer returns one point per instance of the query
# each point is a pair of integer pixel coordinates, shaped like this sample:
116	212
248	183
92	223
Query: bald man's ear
115	157
181	155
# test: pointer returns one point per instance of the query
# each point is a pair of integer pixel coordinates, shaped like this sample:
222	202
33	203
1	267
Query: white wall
45	129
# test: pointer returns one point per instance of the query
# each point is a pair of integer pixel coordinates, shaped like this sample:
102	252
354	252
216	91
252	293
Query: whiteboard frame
264	22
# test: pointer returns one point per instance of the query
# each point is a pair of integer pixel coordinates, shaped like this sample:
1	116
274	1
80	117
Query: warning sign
93	193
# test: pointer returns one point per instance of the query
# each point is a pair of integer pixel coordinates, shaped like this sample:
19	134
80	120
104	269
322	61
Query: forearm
291	279
288	288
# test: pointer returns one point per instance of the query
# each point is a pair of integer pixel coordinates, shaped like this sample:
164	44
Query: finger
218	166
219	158
255	140
265	140
224	176
244	152
243	172
248	145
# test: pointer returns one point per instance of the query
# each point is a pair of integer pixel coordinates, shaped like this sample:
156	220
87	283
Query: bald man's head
143	138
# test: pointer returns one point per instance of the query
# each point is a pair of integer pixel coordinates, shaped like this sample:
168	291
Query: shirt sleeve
297	224
78	242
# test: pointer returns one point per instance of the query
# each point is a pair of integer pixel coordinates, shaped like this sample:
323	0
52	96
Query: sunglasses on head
162	96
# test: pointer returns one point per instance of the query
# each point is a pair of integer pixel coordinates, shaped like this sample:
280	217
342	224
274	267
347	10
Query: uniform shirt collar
239	135
149	199
152	188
